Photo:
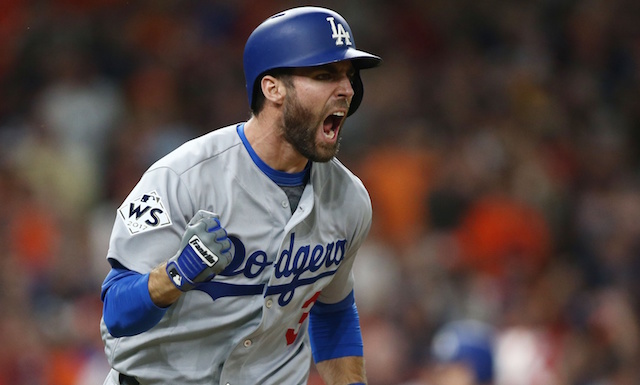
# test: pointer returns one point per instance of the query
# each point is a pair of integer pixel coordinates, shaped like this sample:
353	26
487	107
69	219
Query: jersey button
247	343
269	303
285	204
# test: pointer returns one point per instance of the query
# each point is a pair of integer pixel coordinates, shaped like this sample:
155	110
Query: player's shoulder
334	176
201	149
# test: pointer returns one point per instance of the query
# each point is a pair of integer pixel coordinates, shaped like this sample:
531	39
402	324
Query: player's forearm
128	309
134	302
342	371
162	291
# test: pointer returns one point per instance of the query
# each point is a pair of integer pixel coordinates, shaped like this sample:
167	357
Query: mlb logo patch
144	213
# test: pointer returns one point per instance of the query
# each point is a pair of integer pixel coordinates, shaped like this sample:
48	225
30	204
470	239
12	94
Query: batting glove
205	250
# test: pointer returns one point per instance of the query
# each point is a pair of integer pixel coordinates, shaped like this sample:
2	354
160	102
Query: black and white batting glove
205	250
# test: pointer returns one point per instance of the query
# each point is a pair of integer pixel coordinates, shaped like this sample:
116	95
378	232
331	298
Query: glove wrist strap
181	282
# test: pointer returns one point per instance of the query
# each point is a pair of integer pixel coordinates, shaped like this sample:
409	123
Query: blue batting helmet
303	37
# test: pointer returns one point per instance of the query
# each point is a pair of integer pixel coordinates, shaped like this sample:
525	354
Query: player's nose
345	89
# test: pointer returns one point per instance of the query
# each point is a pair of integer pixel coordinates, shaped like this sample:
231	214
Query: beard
300	130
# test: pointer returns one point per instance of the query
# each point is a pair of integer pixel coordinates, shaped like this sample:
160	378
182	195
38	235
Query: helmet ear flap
358	91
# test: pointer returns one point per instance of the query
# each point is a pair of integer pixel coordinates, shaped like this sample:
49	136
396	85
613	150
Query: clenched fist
205	250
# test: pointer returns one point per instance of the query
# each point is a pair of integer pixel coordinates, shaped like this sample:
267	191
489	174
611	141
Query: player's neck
268	143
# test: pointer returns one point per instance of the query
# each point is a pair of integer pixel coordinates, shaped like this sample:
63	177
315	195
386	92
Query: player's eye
323	76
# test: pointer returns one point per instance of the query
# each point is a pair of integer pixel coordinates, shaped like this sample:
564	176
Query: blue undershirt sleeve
127	306
334	330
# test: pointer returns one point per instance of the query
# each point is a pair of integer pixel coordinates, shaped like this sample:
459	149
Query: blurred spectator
397	175
462	352
504	238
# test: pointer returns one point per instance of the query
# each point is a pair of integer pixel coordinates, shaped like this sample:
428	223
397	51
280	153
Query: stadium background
499	141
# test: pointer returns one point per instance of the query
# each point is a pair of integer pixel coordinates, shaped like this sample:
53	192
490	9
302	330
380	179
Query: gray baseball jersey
248	325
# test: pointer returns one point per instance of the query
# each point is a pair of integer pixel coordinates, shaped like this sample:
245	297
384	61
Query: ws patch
144	213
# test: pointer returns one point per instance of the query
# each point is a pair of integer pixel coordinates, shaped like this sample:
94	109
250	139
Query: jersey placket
273	316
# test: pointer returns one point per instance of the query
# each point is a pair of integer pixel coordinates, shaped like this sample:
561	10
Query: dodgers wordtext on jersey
292	263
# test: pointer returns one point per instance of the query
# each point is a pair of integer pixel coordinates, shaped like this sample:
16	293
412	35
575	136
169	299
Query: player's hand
205	251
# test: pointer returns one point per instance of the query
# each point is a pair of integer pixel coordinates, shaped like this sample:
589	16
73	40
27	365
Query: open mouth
332	124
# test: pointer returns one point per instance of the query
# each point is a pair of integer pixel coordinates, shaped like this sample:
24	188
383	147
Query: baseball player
232	257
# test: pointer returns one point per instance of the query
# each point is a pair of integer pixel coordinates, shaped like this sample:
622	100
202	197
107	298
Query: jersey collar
281	178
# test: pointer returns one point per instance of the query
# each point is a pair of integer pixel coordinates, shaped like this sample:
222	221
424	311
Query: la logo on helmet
339	32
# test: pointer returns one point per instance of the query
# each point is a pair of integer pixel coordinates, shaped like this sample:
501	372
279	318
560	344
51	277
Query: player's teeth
330	134
339	113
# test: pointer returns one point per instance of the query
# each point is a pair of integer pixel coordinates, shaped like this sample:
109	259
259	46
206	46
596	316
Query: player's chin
325	151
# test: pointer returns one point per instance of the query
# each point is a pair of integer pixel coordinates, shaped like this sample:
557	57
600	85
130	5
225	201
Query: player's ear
273	89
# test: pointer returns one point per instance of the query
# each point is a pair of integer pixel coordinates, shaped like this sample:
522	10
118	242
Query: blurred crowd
499	141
